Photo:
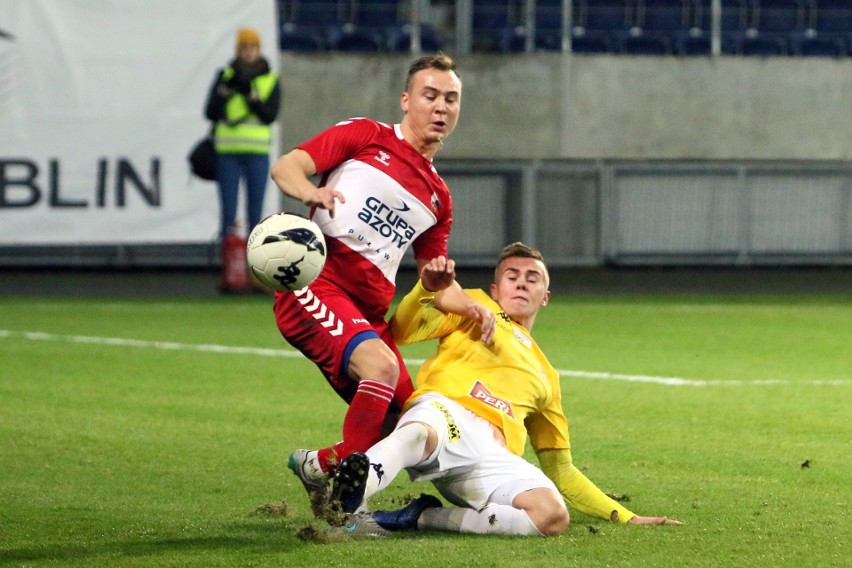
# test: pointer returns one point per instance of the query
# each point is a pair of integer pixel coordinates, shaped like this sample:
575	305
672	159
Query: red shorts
326	326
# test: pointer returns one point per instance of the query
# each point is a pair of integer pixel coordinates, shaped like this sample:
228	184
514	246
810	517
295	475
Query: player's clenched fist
438	274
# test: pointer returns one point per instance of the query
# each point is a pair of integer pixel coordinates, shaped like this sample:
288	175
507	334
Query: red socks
362	426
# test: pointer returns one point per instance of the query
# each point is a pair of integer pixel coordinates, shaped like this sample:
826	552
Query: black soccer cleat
350	482
405	519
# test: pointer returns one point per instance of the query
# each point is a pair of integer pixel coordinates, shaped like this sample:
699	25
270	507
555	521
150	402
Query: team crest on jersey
435	203
480	392
383	158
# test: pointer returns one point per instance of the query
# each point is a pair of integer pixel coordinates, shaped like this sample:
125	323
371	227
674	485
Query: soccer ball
286	251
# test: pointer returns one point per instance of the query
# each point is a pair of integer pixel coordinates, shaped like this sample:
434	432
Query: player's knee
547	511
386	368
554	522
376	362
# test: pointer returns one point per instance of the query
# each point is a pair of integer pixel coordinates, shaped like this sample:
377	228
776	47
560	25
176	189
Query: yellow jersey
509	383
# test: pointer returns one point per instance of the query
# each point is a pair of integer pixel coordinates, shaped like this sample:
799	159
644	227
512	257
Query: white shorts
469	467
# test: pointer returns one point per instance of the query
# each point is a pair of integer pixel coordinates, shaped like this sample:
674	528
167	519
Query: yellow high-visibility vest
250	135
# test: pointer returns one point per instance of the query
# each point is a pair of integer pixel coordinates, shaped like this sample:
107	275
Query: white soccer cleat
305	465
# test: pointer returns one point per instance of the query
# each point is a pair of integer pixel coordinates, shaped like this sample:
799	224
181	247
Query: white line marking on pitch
265	352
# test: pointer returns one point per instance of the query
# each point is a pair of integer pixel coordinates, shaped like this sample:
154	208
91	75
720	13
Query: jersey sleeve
335	145
548	429
417	319
433	242
578	490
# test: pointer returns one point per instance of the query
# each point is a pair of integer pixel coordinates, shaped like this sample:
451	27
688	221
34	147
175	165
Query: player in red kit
378	195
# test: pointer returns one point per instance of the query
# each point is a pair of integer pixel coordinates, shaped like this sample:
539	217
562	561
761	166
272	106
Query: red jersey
394	199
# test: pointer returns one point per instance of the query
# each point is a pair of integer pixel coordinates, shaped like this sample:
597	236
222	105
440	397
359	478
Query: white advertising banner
100	103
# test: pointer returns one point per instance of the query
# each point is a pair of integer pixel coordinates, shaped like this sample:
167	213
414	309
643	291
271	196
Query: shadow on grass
242	537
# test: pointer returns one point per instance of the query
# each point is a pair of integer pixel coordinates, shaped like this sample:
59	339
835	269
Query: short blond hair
519	249
441	62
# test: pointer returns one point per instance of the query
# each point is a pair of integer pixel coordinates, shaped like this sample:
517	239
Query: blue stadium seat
760	45
637	43
400	39
548	23
491	19
548	17
294	39
663	15
779	16
317	13
377	18
607	15
831	16
658	26
812	44
737	21
495	14
513	39
693	42
585	42
736	16
375	13
305	22
350	38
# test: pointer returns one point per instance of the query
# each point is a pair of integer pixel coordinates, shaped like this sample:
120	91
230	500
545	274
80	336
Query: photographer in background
243	102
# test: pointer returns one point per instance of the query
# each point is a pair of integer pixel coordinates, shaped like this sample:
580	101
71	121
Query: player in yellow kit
488	387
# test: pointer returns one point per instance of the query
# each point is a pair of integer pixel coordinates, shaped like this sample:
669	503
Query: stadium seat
375	13
637	43
760	45
495	14
305	23
657	25
584	42
513	40
607	15
663	15
693	42
811	44
778	16
736	16
831	16
548	23
316	13
348	37
400	39
490	21
737	21
294	39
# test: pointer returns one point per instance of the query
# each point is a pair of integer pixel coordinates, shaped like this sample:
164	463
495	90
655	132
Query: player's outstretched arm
585	496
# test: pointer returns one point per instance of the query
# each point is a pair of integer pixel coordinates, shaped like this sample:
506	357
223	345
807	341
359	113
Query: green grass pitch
155	433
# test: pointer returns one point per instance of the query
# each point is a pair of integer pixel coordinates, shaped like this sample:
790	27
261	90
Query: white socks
402	448
493	519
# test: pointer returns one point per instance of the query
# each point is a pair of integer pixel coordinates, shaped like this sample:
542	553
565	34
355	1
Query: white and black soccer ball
286	251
